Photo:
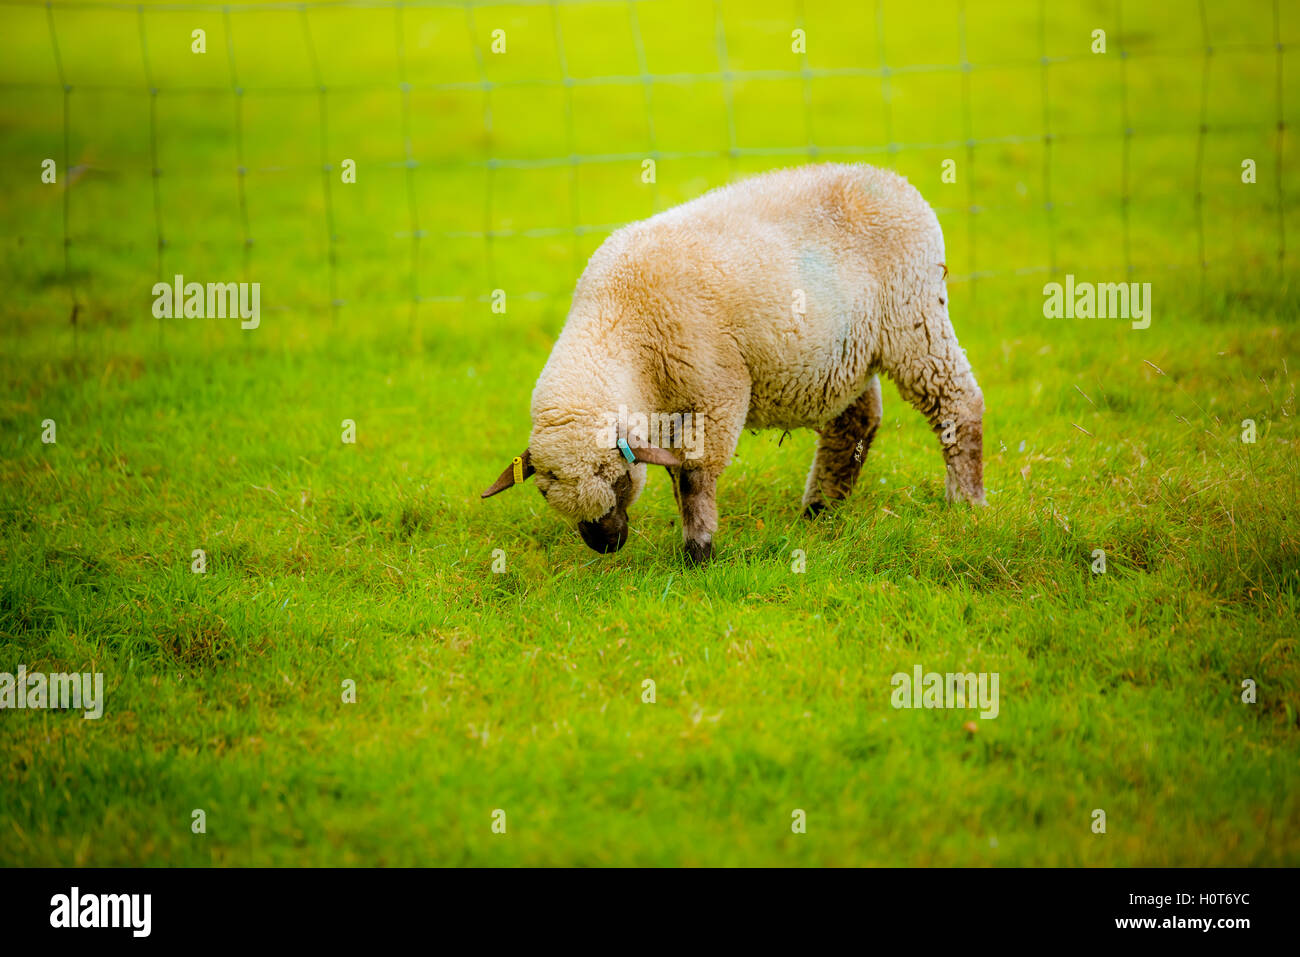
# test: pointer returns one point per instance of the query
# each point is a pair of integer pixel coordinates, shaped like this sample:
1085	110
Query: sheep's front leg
696	494
841	450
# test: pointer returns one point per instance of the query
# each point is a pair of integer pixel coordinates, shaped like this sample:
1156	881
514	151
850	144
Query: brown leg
696	494
841	451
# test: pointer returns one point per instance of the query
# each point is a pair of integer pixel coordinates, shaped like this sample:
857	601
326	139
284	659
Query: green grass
523	690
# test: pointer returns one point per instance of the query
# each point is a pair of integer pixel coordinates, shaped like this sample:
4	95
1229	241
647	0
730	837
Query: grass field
522	690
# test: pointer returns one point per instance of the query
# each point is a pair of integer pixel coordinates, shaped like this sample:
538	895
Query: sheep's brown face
609	532
583	491
595	494
617	484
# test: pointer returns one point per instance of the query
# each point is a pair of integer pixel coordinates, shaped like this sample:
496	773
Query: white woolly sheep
773	303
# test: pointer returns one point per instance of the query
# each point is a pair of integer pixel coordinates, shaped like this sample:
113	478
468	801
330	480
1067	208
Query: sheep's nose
607	534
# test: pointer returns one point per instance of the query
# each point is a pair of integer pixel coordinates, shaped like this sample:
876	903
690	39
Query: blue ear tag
626	450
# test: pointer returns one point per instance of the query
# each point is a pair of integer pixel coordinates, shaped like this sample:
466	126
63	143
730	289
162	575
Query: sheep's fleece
774	303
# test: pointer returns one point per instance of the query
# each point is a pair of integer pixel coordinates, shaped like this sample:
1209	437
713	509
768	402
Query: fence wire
649	82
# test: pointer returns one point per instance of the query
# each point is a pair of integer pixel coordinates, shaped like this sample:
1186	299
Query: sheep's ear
521	467
653	455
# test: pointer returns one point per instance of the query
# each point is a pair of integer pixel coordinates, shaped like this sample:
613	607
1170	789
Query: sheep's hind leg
954	407
841	451
696	494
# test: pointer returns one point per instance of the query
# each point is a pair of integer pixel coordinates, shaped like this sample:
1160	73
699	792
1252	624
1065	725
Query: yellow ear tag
519	469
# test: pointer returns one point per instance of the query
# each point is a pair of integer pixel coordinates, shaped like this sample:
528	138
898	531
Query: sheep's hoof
698	552
813	509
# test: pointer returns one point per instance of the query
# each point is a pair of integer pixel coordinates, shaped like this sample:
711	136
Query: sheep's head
593	489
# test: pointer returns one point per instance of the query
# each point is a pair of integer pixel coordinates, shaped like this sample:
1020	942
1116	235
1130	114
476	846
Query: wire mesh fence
485	231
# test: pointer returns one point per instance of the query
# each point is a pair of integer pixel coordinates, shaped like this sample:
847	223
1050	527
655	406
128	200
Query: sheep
773	303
